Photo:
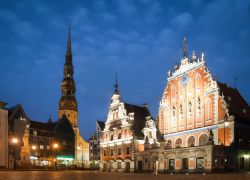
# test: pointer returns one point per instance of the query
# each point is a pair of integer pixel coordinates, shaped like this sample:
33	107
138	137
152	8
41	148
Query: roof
140	114
2	104
16	112
101	124
235	102
41	126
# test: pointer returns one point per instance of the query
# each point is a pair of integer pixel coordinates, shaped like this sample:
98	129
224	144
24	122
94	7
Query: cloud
8	16
108	16
79	16
27	31
181	21
126	7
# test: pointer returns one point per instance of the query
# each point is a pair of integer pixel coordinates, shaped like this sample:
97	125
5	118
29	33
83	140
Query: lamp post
33	148
14	142
55	146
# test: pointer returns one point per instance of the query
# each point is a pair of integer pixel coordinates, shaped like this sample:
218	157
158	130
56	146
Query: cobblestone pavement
94	175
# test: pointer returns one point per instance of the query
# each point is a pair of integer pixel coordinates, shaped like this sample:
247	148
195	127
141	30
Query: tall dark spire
68	52
184	47
116	85
68	100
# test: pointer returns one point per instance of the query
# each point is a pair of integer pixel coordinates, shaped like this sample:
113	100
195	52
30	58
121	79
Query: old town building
123	137
68	106
203	121
3	135
94	145
41	139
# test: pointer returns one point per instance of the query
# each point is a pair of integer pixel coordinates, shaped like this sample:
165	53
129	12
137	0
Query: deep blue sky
138	39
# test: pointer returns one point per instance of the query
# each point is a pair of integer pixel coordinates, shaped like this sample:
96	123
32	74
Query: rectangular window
171	164
119	151
34	133
185	163
127	150
200	163
48	147
111	152
119	165
104	153
41	147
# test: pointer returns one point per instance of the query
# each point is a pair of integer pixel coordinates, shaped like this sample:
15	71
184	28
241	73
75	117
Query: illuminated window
34	133
41	147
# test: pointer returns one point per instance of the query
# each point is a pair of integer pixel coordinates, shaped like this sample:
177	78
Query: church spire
116	85
184	47
68	99
68	52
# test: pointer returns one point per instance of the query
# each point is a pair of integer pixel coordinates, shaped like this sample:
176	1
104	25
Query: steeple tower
68	103
116	85
116	96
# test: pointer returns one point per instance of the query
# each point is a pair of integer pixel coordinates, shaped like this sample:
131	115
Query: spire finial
184	47
68	52
116	84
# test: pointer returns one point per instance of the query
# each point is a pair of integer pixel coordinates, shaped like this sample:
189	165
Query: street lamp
55	146
14	141
33	148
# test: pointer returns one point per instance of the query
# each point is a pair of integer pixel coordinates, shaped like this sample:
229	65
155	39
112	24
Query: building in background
203	121
123	137
41	139
18	122
4	139
68	106
94	145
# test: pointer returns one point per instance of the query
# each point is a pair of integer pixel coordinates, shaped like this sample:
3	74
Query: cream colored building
3	136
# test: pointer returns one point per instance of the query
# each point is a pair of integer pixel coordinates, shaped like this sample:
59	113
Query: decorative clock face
184	79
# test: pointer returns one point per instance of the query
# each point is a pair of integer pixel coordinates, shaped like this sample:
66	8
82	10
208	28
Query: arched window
169	144
191	141
119	136
178	143
203	140
112	137
208	112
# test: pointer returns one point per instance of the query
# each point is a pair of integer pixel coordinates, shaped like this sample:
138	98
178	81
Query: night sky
140	40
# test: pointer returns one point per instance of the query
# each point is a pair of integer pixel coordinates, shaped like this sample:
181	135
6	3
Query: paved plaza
92	175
